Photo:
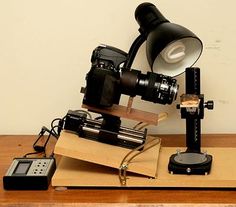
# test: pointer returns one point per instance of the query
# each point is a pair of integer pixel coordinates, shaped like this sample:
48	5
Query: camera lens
151	87
157	88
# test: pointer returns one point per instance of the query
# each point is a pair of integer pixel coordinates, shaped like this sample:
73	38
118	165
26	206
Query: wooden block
128	113
71	145
72	172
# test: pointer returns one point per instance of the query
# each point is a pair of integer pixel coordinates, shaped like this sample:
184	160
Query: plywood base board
72	172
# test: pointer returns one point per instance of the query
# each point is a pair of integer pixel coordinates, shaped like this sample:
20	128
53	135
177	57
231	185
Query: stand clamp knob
209	105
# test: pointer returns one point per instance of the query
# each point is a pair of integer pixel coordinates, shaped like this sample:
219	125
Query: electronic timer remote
29	174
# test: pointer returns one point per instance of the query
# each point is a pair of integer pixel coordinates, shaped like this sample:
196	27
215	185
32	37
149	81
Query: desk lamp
170	48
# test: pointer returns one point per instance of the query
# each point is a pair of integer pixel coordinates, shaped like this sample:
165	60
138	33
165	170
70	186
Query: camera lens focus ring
157	88
150	87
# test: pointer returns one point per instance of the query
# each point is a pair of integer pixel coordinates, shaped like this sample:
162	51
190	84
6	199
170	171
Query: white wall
45	49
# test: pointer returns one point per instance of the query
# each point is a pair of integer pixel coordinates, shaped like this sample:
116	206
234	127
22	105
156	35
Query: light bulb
173	53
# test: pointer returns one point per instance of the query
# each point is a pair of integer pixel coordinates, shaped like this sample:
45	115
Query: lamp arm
133	51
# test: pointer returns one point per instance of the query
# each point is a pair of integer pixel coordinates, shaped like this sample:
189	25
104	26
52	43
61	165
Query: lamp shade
170	48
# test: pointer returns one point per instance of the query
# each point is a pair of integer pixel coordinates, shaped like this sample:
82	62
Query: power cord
53	132
57	125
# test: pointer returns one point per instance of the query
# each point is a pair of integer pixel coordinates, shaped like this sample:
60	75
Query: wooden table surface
18	145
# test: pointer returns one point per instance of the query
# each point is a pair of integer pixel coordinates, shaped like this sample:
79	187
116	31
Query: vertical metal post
193	124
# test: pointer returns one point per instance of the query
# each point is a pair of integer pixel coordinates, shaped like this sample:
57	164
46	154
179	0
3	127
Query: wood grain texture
126	112
16	146
71	145
73	172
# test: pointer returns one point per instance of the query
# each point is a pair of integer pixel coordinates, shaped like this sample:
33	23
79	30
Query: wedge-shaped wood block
71	145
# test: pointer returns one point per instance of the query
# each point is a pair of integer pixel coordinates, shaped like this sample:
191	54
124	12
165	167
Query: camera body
102	88
107	80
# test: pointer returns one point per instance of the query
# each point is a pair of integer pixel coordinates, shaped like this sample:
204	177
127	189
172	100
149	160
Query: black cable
51	132
86	112
38	148
60	124
33	153
42	149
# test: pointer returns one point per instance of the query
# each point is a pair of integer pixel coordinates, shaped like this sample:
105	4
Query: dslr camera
107	80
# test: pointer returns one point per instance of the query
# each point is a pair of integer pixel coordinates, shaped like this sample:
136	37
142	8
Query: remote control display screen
22	168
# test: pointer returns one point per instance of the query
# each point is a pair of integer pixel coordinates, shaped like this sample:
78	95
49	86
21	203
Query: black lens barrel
151	87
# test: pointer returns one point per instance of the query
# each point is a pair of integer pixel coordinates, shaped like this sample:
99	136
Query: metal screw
179	154
205	153
188	170
178	151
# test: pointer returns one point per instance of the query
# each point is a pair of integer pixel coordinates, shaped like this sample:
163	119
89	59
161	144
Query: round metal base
190	163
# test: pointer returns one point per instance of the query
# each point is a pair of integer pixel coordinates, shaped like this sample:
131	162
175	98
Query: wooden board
71	145
72	172
128	113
